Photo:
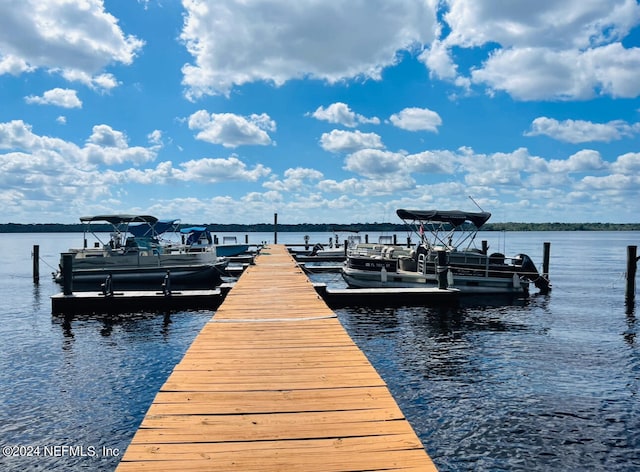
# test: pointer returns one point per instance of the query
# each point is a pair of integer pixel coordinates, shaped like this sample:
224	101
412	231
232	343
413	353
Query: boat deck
274	382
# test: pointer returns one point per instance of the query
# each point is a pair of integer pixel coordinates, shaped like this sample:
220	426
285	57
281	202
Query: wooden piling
36	264
275	228
67	273
443	270
545	259
632	261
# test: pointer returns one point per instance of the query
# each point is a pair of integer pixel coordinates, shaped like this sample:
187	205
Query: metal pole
36	264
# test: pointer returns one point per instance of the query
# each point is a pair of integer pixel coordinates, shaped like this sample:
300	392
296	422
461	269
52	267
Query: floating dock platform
134	301
428	296
274	383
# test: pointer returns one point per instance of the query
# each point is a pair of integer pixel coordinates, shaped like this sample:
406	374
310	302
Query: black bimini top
453	217
119	219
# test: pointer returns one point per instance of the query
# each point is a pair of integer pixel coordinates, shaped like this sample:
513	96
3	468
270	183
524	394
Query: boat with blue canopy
137	251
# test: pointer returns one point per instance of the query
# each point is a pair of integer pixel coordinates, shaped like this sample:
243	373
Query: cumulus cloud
65	98
282	40
341	113
580	131
417	119
82	41
582	161
208	170
562	75
48	172
295	179
231	130
349	141
569	50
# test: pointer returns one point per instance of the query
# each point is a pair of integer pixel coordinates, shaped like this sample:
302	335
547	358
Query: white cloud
209	170
295	180
569	50
582	161
628	164
545	74
375	163
231	130
570	24
341	113
349	141
417	119
283	40
65	98
580	131
438	60
72	38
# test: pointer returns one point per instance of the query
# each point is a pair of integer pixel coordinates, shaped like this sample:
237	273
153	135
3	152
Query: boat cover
454	217
162	226
119	219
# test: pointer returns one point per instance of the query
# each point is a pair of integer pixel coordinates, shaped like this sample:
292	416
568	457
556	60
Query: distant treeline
325	228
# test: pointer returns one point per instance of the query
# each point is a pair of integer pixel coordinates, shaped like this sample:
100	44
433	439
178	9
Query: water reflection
128	322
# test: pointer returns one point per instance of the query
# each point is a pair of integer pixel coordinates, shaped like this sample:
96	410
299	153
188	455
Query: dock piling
545	259
443	269
36	264
275	228
67	273
632	261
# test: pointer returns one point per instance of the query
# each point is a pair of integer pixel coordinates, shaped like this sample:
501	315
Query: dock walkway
274	383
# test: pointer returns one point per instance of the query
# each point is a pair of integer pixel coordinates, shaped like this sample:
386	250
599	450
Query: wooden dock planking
274	382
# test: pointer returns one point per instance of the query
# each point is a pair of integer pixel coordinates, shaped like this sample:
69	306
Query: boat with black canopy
446	243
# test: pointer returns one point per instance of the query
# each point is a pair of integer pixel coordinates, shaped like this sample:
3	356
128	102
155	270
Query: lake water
552	383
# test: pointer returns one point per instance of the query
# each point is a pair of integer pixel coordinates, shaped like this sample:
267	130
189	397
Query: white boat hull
465	284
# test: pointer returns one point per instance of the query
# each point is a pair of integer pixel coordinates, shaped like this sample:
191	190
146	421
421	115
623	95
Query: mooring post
275	228
366	239
246	239
485	246
36	264
67	273
632	261
546	251
442	270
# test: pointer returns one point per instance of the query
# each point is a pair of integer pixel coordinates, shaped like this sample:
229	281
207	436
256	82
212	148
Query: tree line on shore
324	228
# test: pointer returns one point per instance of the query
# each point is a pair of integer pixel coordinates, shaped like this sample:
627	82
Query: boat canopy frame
443	224
148	226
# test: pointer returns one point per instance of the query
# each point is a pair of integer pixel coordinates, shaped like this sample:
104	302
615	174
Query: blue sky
323	111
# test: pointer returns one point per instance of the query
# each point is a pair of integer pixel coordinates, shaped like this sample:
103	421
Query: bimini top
119	219
453	217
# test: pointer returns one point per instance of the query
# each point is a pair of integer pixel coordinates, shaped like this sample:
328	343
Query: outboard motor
528	271
316	248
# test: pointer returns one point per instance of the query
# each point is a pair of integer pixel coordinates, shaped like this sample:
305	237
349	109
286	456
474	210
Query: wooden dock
274	383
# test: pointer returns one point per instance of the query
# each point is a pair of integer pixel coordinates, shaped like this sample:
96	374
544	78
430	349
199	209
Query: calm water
548	384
